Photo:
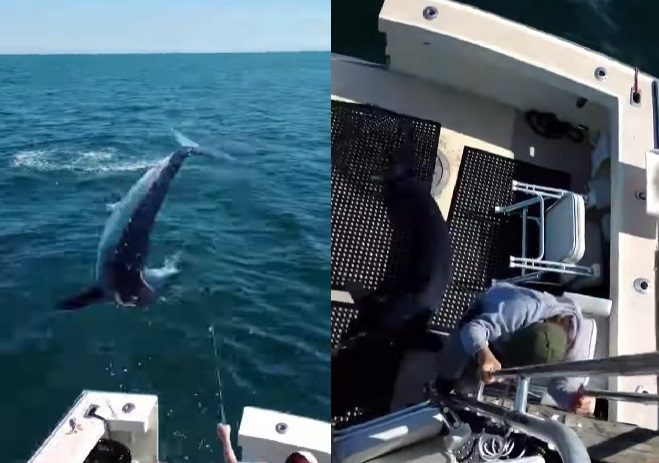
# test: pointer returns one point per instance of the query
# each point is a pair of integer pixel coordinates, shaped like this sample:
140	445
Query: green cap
544	342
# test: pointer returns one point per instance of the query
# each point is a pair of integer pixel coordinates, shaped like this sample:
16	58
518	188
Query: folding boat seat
561	224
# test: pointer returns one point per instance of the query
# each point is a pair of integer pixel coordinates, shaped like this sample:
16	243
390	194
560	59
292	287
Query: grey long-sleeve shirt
507	308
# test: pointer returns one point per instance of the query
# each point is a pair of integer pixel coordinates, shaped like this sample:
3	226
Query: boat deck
468	122
483	54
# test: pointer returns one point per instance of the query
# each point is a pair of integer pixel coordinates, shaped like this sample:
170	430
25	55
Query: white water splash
171	263
157	278
168	269
102	160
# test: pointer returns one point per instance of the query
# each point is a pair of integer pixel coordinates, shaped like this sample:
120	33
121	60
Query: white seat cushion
565	224
591	306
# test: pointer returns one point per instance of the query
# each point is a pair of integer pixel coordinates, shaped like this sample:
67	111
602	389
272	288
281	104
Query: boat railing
639	397
622	365
415	424
565	440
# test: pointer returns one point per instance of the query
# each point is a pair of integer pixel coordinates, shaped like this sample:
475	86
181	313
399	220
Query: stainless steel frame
622	365
539	265
639	397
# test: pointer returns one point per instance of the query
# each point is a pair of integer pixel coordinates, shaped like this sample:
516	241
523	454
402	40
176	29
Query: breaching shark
407	304
121	273
395	317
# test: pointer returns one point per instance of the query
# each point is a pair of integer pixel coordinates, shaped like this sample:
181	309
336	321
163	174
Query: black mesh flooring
364	248
483	241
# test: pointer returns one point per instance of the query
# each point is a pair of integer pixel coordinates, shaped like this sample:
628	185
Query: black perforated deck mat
364	248
483	241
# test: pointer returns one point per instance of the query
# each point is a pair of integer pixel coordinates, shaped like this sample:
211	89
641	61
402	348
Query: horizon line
230	52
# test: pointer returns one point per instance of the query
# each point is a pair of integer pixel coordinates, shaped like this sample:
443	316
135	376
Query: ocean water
249	238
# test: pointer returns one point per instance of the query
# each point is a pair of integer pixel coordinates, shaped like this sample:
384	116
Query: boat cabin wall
471	68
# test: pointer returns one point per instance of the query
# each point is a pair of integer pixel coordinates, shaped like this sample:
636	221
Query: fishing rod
218	378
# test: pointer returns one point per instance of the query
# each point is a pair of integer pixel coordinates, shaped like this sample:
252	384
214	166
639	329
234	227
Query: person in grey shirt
511	325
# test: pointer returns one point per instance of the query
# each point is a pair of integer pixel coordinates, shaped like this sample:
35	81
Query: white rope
491	447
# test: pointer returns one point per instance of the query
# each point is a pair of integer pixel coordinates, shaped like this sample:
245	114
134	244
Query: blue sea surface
249	238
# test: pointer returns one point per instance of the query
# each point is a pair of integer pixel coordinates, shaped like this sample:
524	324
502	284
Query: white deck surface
261	441
136	427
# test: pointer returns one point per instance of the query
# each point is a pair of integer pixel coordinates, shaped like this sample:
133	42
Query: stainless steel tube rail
639	397
566	441
622	365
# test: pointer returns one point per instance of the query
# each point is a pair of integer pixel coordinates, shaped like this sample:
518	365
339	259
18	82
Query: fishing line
218	378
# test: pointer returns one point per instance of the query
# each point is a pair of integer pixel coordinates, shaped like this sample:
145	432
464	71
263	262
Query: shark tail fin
81	300
184	141
362	295
403	160
194	148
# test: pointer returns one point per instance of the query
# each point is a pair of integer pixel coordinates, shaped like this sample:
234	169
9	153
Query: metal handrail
638	397
622	365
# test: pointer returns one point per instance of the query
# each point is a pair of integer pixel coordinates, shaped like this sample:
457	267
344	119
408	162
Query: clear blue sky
140	26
